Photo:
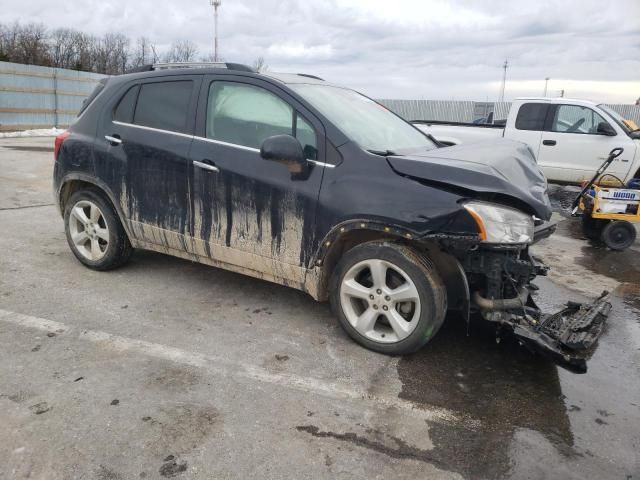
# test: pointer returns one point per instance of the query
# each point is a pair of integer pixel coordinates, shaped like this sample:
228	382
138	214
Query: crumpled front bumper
569	337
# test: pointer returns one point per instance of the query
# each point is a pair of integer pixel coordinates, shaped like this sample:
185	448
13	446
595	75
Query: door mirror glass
605	129
284	149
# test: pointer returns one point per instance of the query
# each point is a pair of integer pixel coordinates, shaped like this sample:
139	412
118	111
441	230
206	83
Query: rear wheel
387	297
94	232
619	235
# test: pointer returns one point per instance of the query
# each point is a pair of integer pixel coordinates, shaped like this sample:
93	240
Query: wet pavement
169	369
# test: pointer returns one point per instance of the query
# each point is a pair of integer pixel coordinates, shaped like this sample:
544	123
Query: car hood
500	167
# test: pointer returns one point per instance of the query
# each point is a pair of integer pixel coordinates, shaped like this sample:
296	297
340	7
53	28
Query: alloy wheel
380	301
89	230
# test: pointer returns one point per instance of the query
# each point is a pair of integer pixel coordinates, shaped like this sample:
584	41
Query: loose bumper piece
570	336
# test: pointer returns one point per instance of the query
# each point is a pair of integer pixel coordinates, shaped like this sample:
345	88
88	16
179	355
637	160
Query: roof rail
310	76
175	65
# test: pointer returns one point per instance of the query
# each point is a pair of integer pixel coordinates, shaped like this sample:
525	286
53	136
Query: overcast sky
427	49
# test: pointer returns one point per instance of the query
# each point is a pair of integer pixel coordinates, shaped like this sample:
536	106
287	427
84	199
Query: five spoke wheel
89	230
380	301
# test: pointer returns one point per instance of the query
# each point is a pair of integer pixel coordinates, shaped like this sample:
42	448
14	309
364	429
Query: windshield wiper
382	153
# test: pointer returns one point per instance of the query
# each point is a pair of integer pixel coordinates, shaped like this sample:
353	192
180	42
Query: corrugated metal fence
41	97
465	111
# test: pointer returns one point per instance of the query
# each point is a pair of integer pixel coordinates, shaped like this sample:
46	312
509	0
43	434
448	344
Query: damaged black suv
287	178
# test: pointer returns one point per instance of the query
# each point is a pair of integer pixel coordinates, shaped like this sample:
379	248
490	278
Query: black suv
296	181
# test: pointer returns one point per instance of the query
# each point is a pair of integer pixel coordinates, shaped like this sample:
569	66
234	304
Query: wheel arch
350	234
76	182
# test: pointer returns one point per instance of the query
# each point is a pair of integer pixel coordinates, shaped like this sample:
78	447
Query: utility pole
546	83
215	4
504	79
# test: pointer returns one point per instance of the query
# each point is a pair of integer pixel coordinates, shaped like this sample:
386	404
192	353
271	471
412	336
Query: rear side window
164	105
126	106
532	116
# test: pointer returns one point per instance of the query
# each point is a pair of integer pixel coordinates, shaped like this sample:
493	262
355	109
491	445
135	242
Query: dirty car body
200	164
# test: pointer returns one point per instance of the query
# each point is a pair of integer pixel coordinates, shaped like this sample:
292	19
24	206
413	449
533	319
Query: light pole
546	83
215	4
504	79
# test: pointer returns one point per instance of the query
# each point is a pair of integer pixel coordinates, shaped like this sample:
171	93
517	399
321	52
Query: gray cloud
394	49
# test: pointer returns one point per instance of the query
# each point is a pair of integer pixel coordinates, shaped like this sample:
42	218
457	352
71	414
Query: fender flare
70	177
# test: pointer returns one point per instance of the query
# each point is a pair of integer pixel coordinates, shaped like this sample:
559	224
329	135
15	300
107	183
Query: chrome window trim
256	150
210	140
151	129
227	144
321	164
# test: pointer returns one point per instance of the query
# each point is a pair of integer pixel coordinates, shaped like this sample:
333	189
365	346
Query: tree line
111	54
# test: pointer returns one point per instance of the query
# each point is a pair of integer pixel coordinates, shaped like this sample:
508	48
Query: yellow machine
608	213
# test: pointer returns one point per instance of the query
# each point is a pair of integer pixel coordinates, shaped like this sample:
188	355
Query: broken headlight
498	224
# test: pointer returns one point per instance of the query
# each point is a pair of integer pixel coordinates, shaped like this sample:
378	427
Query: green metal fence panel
41	97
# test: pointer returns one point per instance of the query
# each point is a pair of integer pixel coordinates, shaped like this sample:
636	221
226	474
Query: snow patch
43	132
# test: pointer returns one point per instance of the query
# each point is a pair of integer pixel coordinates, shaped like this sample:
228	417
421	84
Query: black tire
431	290
592	227
118	249
619	235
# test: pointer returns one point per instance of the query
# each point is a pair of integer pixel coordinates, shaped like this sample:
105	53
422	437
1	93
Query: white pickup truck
569	138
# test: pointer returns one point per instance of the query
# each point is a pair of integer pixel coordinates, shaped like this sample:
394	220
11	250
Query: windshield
367	123
617	118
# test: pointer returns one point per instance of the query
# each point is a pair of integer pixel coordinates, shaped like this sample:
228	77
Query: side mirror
605	129
285	149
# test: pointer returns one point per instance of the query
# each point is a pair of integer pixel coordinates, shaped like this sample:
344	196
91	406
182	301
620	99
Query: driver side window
246	115
575	119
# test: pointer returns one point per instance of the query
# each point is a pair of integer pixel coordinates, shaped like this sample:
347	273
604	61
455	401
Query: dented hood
500	167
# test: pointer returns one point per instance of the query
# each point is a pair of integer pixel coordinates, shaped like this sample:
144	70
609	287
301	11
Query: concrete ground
166	368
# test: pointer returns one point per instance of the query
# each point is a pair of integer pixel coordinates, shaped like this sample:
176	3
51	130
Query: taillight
58	143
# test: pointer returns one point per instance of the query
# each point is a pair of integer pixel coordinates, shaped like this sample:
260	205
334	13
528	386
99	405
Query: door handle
206	165
550	143
113	139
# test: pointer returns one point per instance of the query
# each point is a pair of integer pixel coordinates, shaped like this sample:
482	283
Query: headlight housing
499	224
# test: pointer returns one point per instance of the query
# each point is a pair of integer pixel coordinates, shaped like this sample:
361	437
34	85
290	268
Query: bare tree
144	52
31	45
260	65
110	54
62	48
182	51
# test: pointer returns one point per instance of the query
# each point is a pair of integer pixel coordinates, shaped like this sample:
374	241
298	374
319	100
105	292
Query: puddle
503	386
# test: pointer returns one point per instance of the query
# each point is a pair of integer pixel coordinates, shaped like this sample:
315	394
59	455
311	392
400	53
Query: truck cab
569	138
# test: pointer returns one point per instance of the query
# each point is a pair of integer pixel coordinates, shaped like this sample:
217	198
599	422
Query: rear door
148	136
247	211
571	149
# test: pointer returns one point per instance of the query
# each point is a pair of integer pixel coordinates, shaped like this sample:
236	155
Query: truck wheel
592	227
387	297
619	235
94	232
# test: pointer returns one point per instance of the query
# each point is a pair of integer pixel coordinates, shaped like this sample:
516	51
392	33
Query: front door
572	151
250	213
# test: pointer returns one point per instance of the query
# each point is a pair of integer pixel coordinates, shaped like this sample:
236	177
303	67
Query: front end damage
500	279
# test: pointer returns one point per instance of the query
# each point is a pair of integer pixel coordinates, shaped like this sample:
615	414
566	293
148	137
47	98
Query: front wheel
388	297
